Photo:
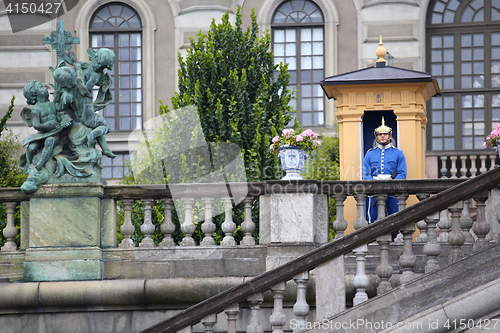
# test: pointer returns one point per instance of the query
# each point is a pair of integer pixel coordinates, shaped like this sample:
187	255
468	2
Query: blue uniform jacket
384	161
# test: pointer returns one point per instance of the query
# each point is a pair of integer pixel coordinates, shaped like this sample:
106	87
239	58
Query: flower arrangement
306	140
491	140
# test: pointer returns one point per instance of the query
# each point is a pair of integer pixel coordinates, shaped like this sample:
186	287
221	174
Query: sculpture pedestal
67	226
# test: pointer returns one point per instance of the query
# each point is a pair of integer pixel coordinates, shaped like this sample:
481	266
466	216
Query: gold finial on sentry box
381	52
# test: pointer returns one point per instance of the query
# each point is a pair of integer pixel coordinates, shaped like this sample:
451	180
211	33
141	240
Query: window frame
457	29
298	82
116	69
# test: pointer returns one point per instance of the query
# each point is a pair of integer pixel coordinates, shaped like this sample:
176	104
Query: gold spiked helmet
383	128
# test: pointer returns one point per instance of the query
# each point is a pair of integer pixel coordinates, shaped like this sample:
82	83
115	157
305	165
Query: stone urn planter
292	161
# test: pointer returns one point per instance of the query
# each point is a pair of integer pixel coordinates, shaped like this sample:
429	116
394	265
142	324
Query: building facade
458	42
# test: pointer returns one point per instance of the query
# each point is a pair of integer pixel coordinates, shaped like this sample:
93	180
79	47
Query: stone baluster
483	169
432	248
301	308
168	227
340	224
278	318
248	225
127	229
360	221
360	281
209	323
254	326
456	238
407	260
453	169
481	227
188	227
444	169
493	159
473	168
421	225
463	168
401	205
208	226
384	270
147	228
10	231
232	317
444	226
228	227
466	222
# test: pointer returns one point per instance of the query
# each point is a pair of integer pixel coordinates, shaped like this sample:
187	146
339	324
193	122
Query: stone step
464	290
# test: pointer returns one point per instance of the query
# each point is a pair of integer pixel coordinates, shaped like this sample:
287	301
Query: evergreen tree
11	174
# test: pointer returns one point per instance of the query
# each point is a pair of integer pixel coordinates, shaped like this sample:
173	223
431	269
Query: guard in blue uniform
384	161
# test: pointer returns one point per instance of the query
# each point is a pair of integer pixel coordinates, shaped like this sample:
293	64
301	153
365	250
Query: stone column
287	219
68	228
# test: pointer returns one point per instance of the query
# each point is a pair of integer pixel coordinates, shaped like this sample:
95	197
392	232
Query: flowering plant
491	140
306	140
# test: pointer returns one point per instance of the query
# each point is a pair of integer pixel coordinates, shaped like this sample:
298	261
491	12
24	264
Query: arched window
298	39
118	27
463	53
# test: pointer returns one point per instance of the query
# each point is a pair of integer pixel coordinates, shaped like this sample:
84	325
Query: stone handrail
383	226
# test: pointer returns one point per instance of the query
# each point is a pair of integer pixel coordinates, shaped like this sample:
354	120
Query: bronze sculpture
68	127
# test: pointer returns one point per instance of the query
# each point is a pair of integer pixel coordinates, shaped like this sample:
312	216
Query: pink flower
275	139
271	147
299	138
317	142
309	133
484	144
288	132
488	138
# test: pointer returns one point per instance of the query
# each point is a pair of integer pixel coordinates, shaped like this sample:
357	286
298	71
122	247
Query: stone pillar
287	219
68	225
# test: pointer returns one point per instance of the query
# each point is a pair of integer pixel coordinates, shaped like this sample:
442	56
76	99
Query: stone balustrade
293	221
461	165
427	212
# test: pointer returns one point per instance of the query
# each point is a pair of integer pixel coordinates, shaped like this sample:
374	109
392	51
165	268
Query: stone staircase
462	296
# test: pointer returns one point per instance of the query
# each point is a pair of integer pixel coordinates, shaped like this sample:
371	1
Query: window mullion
117	83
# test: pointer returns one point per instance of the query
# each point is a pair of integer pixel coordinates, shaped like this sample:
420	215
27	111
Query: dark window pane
125	124
479	17
449	83
449	143
437	42
466	82
437	116
448	69
448	41
466	40
449	102
448	55
306	118
437	69
478	54
437	144
466	115
449	116
467	15
437	130
466	68
449	129
466	54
